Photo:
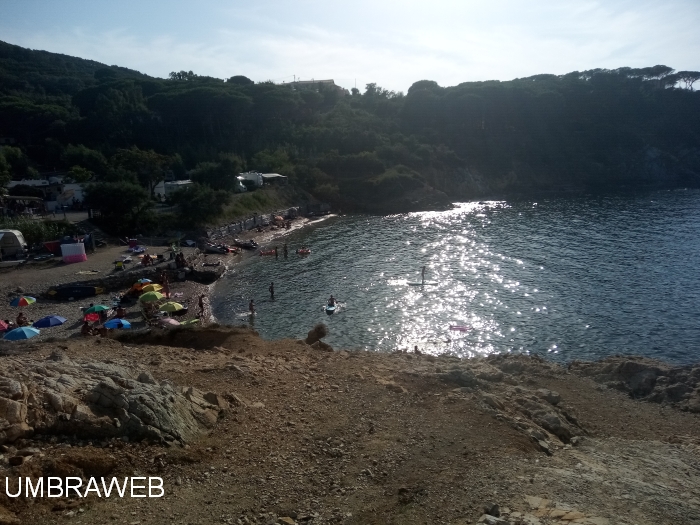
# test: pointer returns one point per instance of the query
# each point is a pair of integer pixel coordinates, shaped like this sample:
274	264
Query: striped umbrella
49	321
23	332
22	300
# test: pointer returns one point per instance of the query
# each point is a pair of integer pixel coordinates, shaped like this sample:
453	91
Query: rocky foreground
247	431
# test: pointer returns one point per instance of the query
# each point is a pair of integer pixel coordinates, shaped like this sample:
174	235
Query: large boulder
646	379
98	400
317	333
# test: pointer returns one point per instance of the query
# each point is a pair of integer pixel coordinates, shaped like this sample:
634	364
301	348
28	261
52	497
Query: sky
389	42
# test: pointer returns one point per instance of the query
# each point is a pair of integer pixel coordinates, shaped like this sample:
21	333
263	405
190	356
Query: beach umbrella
3	326
191	321
144	281
96	308
117	323
150	297
23	332
152	288
169	322
91	317
22	300
49	321
171	307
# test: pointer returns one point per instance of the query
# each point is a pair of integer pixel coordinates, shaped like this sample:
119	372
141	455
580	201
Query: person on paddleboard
272	290
422	275
331	301
251	307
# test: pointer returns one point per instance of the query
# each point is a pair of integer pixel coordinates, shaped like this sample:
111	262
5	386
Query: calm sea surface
570	278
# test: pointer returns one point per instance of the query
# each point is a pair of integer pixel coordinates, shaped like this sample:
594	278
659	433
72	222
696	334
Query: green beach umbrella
151	296
171	307
95	309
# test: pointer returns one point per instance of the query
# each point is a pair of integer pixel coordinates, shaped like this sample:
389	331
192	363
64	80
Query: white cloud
391	43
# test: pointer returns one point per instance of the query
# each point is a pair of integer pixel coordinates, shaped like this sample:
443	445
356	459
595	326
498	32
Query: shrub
38	231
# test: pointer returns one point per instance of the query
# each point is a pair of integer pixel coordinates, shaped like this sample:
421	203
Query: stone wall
266	219
254	221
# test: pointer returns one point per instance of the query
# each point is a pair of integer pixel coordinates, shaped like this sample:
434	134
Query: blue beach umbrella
144	281
117	323
49	321
23	332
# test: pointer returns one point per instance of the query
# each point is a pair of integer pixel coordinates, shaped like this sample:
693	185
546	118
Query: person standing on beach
201	305
272	290
166	284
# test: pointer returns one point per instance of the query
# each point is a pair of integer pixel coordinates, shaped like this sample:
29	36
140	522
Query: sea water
566	277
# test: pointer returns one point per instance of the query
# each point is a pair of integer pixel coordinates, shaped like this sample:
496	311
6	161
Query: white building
253	178
167	188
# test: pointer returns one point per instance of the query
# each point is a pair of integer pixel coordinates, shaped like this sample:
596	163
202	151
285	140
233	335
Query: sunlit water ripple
572	278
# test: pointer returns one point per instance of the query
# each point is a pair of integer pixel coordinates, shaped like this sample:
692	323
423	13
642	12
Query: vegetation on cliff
580	131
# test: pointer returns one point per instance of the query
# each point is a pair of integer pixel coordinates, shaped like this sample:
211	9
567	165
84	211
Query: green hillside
375	150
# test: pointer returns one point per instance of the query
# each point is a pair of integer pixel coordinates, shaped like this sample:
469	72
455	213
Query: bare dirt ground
316	436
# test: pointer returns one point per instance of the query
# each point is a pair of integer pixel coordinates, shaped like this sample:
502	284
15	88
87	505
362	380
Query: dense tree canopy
199	204
125	207
629	127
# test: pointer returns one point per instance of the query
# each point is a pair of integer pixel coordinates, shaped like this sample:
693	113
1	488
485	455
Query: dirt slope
312	436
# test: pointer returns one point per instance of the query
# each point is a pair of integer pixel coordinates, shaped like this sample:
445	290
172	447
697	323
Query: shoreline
264	239
186	292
